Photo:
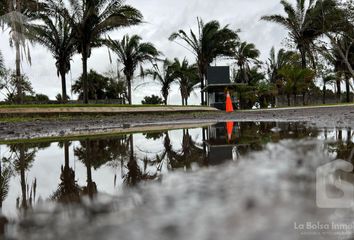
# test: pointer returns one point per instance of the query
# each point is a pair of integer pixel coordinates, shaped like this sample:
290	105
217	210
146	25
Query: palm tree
165	76
187	78
91	20
275	63
211	42
245	54
299	22
17	14
57	36
297	80
132	53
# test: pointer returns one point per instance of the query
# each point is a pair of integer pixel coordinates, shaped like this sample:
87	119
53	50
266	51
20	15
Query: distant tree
187	78
245	54
277	61
59	98
101	87
17	14
211	42
97	84
57	36
165	76
153	100
9	85
131	52
92	20
297	80
41	97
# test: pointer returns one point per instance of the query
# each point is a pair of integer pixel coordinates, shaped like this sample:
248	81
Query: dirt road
339	116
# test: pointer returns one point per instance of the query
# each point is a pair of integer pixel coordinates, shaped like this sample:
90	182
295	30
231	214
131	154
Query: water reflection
67	171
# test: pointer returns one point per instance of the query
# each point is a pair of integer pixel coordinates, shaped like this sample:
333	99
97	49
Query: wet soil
342	116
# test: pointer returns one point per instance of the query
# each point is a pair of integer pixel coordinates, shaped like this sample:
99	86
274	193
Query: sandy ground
339	116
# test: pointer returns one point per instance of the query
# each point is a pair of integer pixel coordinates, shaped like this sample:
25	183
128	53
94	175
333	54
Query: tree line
319	48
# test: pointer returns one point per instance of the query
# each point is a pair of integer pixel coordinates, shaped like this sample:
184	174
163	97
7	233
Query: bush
152	100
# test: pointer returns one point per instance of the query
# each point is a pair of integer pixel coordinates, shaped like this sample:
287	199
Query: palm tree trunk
324	94
63	87
347	86
303	58
201	79
165	97
304	99
19	98
338	82
186	101
84	76
129	82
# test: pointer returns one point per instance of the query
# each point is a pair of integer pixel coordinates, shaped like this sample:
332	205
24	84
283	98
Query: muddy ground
81	125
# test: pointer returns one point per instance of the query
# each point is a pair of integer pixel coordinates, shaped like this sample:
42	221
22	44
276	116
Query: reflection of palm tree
68	190
88	153
5	175
22	156
343	149
189	152
134	174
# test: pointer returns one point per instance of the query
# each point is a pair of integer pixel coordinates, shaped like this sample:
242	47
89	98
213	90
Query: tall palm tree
245	54
211	42
57	36
17	14
187	77
91	20
166	76
299	22
132	53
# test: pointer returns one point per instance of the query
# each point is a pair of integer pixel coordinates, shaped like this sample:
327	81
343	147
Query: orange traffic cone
229	107
229	128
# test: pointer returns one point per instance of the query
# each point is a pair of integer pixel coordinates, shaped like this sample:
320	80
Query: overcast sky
162	17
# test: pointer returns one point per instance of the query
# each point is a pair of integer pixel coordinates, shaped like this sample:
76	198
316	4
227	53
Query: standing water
224	181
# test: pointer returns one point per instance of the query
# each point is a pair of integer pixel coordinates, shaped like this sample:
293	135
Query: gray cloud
162	18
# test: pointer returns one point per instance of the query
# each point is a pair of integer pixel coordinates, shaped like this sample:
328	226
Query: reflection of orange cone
229	107
229	128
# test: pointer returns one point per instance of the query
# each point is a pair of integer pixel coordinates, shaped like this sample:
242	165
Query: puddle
164	163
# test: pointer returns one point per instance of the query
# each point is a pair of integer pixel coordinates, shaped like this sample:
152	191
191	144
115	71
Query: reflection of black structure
247	137
219	148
